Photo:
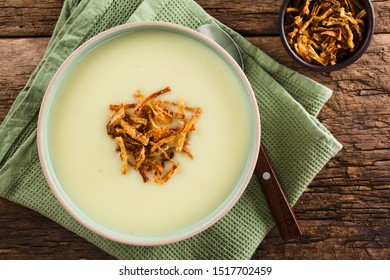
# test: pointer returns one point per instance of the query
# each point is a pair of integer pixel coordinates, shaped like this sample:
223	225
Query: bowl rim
369	32
205	223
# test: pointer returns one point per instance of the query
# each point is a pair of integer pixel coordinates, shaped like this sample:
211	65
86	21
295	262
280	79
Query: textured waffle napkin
298	145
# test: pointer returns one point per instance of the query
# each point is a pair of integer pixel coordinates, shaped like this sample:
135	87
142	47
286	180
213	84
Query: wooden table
344	213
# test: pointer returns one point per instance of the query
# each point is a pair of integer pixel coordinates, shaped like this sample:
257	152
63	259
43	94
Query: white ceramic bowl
51	162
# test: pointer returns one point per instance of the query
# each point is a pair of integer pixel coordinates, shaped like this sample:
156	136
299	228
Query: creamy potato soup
84	157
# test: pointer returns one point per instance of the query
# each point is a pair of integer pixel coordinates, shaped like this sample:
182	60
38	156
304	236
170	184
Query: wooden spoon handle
281	210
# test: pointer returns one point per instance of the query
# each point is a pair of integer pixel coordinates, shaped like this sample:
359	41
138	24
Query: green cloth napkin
298	145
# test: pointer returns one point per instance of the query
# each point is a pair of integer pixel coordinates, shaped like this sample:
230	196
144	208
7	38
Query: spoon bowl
224	40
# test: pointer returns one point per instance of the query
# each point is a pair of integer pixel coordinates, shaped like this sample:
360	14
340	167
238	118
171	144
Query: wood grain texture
20	18
19	57
344	213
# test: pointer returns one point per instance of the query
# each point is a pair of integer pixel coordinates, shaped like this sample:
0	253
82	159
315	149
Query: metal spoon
281	210
224	40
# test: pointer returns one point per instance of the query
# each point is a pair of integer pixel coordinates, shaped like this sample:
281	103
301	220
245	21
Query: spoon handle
281	210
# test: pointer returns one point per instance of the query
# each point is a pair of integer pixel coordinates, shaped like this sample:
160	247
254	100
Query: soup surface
84	157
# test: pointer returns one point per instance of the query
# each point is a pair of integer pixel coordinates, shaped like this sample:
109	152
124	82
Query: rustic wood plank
26	234
28	17
19	57
344	213
249	17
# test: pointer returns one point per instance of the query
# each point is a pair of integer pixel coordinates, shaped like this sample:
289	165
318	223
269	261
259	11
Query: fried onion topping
150	131
325	32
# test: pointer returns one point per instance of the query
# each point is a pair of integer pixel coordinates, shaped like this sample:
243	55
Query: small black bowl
366	40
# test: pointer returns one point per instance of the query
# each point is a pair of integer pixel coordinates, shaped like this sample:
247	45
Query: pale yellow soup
84	156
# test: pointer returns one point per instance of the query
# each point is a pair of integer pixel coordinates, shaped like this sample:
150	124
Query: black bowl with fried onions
326	35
